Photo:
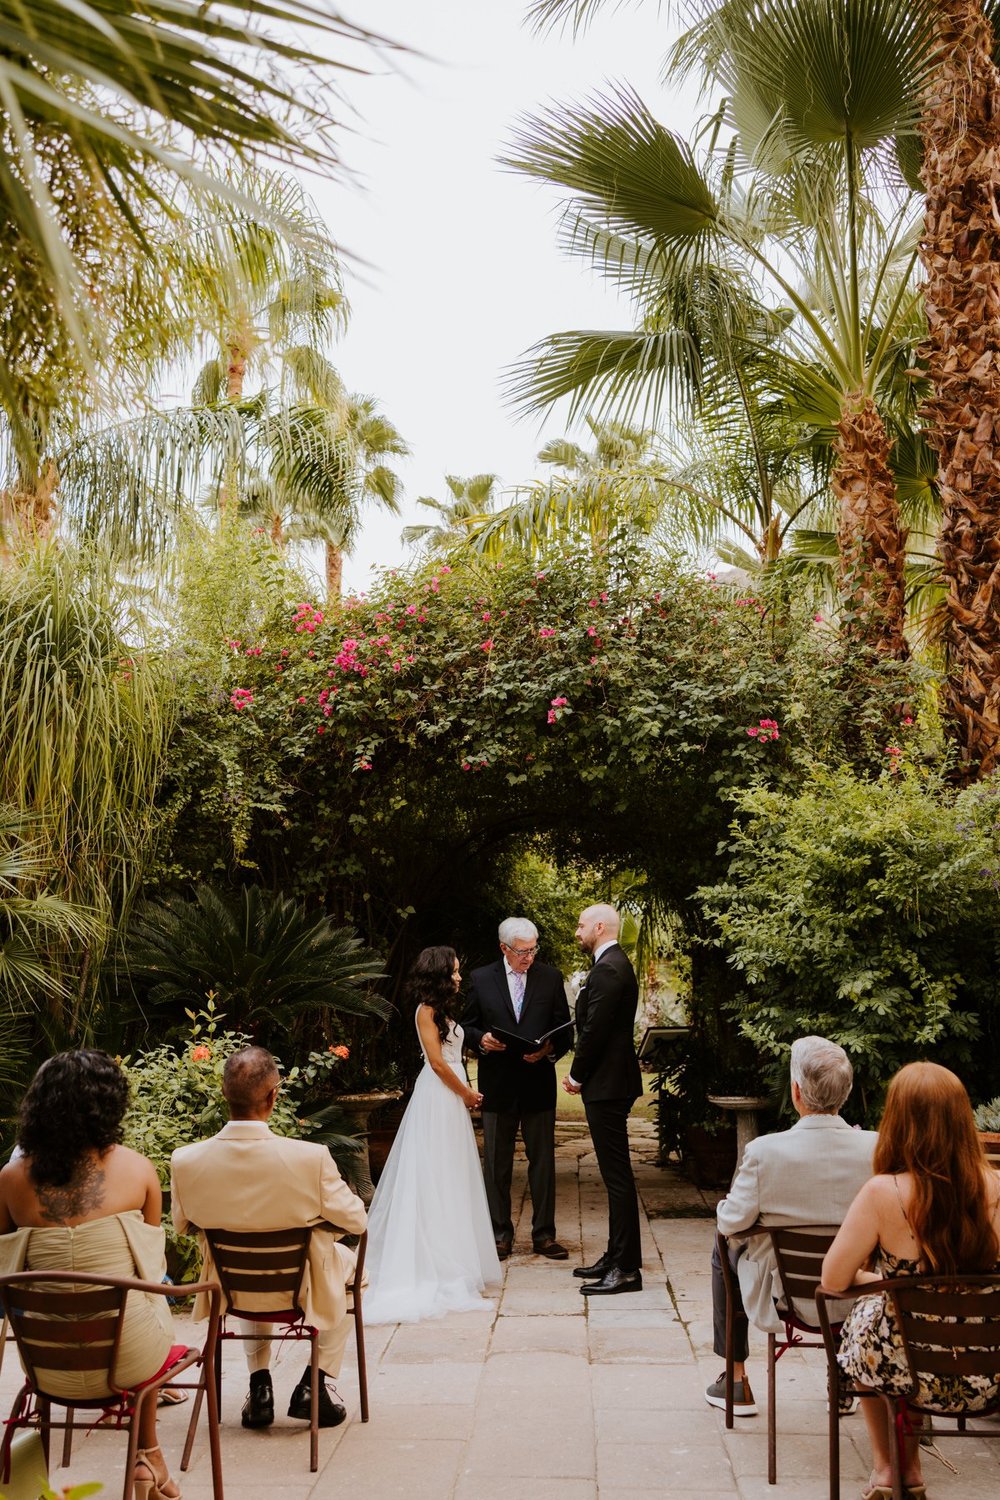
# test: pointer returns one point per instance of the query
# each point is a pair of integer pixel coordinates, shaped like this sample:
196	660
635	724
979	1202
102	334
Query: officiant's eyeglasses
520	952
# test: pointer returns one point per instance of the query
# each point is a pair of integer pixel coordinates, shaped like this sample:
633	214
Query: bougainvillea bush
380	759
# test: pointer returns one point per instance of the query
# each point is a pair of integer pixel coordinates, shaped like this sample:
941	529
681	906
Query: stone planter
359	1109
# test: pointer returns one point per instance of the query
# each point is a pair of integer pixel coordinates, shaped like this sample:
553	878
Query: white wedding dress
430	1240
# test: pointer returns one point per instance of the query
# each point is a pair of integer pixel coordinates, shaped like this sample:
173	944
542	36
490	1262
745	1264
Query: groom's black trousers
608	1122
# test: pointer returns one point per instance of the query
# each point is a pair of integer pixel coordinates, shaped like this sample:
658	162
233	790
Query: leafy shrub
866	911
176	1098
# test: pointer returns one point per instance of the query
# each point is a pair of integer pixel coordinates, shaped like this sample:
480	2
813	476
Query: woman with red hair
933	1205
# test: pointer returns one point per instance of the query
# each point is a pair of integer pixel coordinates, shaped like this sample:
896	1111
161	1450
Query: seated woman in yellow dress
73	1198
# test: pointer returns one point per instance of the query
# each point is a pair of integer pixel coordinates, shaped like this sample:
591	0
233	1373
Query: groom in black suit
527	999
606	1072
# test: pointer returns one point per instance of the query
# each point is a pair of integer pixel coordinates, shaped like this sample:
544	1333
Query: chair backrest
261	1271
992	1149
66	1320
950	1325
799	1251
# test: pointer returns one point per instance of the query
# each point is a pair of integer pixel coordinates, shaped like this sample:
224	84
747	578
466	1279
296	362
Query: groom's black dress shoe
600	1266
612	1282
258	1408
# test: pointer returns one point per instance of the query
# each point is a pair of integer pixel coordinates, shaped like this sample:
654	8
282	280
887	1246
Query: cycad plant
273	969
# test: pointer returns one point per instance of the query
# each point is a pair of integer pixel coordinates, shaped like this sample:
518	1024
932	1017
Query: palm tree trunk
334	572
961	258
871	540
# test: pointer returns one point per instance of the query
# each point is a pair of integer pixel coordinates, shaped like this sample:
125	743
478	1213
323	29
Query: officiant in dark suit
605	1071
526	999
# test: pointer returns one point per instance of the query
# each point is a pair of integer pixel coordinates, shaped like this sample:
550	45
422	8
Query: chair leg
730	1333
894	1414
207	1378
212	1397
67	1452
45	1427
359	1338
133	1439
314	1402
833	1433
772	1422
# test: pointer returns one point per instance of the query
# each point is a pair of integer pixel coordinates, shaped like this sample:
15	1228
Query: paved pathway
555	1397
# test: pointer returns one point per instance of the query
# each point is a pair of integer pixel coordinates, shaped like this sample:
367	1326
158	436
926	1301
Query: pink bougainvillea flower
753	733
546	632
241	698
552	716
466	766
908	721
411	609
560	702
485	614
486	646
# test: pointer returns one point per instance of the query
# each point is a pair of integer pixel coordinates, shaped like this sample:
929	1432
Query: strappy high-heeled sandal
147	1486
877	1491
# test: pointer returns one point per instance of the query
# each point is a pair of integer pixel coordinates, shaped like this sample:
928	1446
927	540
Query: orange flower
341	1051
200	1054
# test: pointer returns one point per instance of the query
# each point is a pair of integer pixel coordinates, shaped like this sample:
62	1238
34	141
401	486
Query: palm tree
786	204
960	250
105	109
471	506
84	721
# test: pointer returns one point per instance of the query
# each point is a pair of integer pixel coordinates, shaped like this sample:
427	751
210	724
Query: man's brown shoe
552	1249
504	1248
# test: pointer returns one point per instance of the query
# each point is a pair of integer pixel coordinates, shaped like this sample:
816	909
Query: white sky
464	271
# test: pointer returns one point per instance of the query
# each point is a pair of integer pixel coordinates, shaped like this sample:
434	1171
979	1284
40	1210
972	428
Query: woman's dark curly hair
431	982
76	1103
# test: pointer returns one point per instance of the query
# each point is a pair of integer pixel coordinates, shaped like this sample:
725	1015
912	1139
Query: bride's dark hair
431	982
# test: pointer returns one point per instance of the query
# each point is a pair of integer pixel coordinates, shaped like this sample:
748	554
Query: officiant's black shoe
504	1248
258	1408
612	1282
331	1413
597	1270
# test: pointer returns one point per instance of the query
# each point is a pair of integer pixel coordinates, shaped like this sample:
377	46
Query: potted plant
987	1118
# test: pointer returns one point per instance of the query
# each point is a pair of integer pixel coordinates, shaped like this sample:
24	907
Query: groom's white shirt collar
613	943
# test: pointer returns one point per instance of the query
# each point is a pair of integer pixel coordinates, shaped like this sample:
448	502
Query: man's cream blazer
248	1178
810	1174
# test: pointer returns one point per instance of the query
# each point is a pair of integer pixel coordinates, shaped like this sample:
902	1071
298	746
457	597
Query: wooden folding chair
255	1266
798	1252
949	1325
72	1320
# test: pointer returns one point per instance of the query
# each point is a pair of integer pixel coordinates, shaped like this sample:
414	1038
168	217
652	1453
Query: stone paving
553	1397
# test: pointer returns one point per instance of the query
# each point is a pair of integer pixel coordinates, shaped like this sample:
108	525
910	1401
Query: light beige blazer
810	1174
248	1178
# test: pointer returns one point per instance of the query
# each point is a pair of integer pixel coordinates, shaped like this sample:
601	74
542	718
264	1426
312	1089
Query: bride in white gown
430	1240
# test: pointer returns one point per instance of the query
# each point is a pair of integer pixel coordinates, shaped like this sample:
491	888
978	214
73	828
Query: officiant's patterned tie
517	992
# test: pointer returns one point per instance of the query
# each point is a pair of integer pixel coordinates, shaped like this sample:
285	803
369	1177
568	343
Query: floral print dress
871	1353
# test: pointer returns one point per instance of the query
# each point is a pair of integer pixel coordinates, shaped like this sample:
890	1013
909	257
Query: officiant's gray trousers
538	1131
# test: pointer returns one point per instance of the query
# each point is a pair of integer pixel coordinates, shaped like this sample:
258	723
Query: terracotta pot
381	1137
991	1144
710	1157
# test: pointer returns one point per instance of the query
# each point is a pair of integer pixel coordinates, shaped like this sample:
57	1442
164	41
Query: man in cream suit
807	1175
248	1178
